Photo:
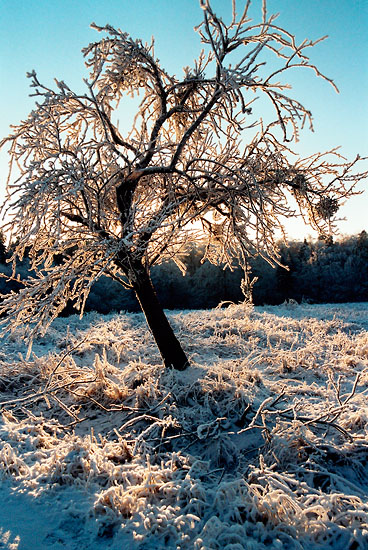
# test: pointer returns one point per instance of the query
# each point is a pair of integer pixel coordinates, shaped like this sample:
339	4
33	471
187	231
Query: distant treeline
321	271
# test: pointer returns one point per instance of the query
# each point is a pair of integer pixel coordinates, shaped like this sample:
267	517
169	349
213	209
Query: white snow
261	444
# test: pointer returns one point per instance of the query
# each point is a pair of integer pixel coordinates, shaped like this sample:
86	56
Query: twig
138	419
67	409
68	352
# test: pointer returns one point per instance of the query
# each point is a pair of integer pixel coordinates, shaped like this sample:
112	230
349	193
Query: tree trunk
169	346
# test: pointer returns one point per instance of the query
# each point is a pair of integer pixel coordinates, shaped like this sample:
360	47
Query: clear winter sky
48	35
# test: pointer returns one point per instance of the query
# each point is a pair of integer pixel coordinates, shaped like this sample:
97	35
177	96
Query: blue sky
48	36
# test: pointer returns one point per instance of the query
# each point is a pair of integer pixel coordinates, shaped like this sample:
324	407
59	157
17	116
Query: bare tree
193	165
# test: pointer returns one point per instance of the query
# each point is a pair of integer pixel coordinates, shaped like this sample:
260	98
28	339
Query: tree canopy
194	165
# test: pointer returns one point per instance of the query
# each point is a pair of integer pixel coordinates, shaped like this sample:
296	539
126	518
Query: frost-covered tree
196	164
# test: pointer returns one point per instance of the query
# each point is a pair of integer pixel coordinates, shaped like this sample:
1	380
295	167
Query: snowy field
261	444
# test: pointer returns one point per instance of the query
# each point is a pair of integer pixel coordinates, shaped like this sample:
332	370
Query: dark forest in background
321	271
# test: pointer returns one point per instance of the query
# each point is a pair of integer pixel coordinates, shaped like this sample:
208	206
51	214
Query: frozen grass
261	444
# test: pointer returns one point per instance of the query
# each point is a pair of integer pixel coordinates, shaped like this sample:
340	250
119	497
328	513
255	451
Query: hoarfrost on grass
261	444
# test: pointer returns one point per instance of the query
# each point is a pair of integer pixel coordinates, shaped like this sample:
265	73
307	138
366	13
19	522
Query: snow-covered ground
261	444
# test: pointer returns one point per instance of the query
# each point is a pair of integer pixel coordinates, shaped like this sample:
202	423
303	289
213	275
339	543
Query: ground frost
261	444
